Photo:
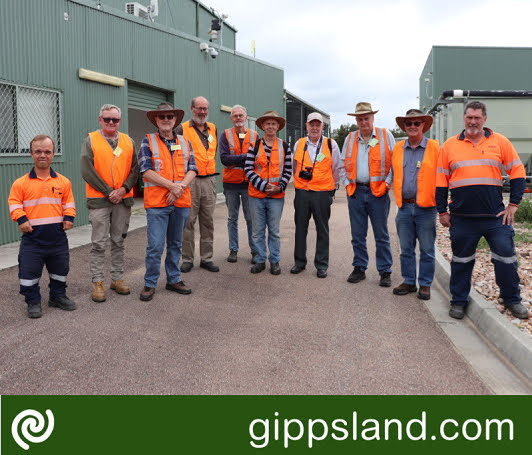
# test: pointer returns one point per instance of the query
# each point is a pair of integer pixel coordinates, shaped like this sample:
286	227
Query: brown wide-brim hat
270	115
415	113
166	108
363	109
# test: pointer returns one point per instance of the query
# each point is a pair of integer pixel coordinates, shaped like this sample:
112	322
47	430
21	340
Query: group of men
177	164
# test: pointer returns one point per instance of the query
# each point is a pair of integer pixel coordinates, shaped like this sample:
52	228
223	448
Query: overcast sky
336	53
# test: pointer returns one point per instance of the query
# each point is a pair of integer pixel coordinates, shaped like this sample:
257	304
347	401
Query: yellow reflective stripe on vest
350	144
281	161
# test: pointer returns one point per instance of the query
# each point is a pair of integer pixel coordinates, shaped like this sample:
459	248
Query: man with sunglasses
203	137
365	171
414	164
316	175
109	167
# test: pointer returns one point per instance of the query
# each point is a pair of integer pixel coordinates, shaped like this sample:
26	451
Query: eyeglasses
167	116
416	123
204	109
110	119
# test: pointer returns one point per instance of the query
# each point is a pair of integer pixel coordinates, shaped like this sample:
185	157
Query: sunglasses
110	119
167	116
416	123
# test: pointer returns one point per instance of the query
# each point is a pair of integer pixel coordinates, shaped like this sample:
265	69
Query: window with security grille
26	112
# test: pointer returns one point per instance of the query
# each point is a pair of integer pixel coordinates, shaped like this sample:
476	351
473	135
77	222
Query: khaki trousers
203	195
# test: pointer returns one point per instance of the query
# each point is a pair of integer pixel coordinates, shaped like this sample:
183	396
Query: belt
409	201
205	176
362	184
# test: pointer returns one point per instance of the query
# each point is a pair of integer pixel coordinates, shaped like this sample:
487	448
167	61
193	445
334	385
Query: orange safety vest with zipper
380	160
426	178
322	176
236	174
173	168
113	166
205	159
271	170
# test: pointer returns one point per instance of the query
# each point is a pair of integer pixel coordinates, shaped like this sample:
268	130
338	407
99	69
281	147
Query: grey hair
475	105
238	106
193	102
108	107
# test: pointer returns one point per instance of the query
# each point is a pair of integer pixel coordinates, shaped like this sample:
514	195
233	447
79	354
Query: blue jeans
362	206
232	200
415	222
164	223
266	212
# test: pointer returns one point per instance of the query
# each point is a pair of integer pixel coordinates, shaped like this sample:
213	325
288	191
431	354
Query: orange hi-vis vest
271	170
236	174
322	175
173	168
380	160
205	159
426	177
113	166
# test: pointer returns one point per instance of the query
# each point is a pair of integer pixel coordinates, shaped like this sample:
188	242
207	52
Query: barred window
26	112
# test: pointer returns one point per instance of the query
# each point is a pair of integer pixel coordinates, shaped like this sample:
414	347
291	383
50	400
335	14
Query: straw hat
363	108
166	108
270	115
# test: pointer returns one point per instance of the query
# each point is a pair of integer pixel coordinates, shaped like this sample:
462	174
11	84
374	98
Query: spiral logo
32	422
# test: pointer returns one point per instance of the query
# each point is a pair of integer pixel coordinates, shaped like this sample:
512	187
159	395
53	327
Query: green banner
271	424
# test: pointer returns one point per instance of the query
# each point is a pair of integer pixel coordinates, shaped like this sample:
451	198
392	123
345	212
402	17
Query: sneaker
258	267
253	256
98	291
210	266
386	280
62	302
275	268
297	269
518	310
186	267
120	287
34	310
457	311
357	275
179	287
404	289
424	293
147	294
232	256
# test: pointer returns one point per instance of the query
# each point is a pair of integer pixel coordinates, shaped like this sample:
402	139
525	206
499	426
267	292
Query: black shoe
147	294
386	280
275	268
518	310
62	302
34	310
457	311
179	287
253	256
186	267
297	269
232	256
322	273
357	275
210	266
404	289
258	267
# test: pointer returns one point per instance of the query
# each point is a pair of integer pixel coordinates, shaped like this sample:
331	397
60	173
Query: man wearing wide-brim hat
414	167
268	168
167	165
365	171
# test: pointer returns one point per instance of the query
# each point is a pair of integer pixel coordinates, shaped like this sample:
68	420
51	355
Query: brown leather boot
98	291
120	287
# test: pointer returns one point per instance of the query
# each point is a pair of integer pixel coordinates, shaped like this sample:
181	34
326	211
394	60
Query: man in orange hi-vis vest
42	204
414	163
109	167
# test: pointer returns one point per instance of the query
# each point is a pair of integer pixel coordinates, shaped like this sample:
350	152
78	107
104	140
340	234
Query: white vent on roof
136	9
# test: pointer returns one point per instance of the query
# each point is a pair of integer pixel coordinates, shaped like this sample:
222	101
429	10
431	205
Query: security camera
204	47
213	52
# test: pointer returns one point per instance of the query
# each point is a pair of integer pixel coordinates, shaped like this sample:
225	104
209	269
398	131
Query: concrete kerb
514	345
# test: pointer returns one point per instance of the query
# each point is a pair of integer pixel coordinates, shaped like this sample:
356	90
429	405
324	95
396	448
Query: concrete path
240	333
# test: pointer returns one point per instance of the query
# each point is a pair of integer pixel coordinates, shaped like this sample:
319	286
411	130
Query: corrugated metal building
45	44
497	76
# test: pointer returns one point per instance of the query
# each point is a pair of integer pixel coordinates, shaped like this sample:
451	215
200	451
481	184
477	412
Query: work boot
518	310
297	269
253	256
62	302
457	311
34	310
232	256
357	275
424	293
210	266
258	267
404	289
147	293
98	291
179	287
186	267
386	280
275	268
120	287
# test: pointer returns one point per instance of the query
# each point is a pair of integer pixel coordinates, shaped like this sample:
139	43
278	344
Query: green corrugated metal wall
48	51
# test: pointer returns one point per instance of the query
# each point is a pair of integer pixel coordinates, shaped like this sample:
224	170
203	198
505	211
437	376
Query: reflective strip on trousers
29	282
463	260
504	260
53	276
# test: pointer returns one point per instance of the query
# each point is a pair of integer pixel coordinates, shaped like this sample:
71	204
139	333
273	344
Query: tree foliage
339	134
397	132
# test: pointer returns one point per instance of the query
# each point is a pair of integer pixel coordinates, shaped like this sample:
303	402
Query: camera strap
305	150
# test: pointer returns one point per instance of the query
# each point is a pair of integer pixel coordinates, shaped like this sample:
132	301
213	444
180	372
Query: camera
306	175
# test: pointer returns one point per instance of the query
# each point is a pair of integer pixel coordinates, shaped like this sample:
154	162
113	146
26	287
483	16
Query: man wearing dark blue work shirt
414	166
